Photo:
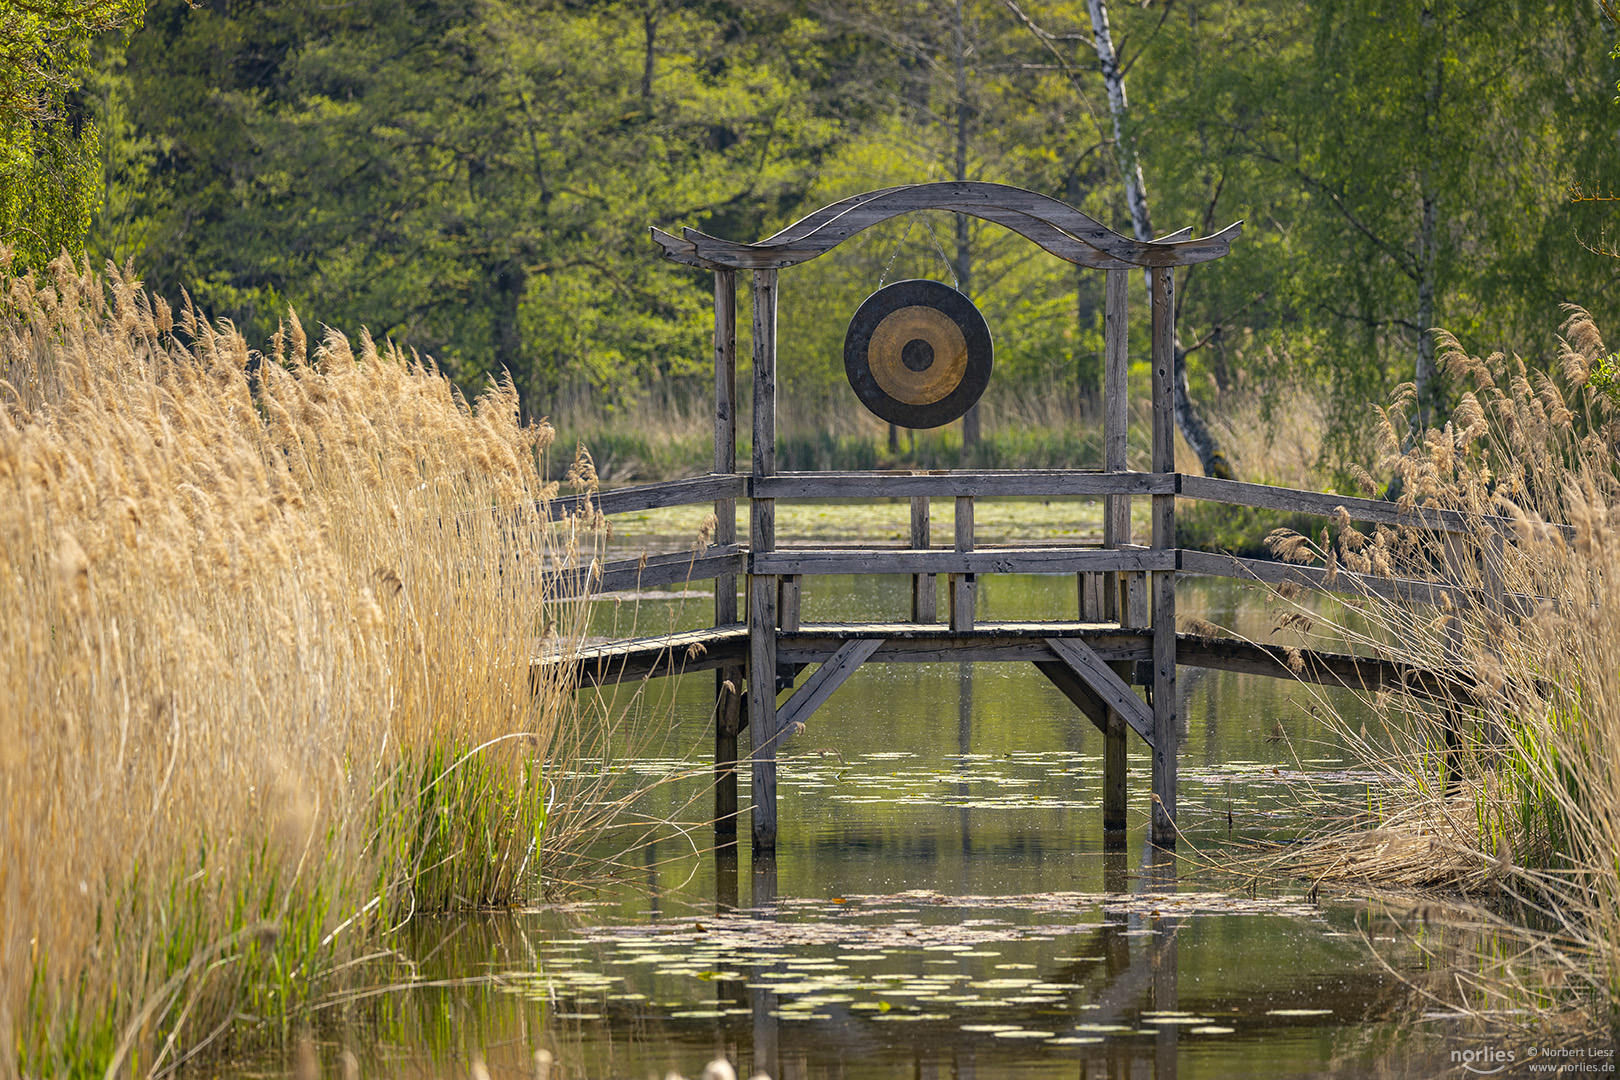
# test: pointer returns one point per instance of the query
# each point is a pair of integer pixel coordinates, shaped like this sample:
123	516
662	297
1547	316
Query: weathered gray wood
787	618
727	723
1116	420
762	511
924	605
1114	794
1166	732
825	680
669	569
1166	735
1236	492
1368	674
983	561
762	726
1060	229
964	586
1047	483
1408	590
1074	688
1092	589
1091	667
698	489
725	437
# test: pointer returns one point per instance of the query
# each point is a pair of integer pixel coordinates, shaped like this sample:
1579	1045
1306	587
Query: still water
942	902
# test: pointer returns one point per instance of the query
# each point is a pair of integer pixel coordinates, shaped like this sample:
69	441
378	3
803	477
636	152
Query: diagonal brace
1085	662
827	678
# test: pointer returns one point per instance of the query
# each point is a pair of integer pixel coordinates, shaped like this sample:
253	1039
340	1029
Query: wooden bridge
1126	634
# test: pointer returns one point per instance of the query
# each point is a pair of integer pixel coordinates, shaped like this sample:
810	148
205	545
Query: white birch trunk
1130	166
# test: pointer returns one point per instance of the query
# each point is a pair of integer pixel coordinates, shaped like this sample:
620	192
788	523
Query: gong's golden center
886	353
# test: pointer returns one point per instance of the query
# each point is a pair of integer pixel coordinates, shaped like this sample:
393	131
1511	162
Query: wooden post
924	608
1166	737
963	586
1117	603
727	681
762	588
787	618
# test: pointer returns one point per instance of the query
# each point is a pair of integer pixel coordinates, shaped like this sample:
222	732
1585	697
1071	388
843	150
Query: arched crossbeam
1053	225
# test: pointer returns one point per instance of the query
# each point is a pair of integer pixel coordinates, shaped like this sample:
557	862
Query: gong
918	354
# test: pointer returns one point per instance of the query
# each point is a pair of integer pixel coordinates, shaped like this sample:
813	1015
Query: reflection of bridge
1125	635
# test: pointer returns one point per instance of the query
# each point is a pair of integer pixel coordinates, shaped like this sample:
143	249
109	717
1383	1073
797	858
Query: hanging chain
949	266
911	223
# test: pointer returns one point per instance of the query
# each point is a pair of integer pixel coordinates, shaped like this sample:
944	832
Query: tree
473	177
50	178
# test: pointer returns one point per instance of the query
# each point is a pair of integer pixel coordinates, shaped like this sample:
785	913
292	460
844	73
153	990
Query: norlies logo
1485	1062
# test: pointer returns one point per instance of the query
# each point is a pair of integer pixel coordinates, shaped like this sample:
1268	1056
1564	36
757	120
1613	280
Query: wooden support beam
964	586
1116	421
824	681
1084	661
787	618
727	725
763	732
1166	734
727	680
924	603
1073	687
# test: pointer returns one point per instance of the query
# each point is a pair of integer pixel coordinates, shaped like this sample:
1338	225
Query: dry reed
1506	786
266	624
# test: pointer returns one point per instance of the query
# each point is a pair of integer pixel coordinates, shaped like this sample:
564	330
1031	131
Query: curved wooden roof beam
1053	225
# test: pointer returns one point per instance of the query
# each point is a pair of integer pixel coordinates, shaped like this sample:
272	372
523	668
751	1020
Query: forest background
474	179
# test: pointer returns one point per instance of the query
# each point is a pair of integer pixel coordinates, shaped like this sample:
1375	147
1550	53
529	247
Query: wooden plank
1369	674
787	618
762	510
1116	421
762	727
1092	589
1407	590
983	561
825	680
1114	692
1046	483
963	586
1074	688
671	569
697	489
725	436
1166	734
1055	226
924	605
1238	493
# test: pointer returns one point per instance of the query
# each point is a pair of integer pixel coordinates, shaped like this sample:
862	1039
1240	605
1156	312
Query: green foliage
475	178
1605	377
50	177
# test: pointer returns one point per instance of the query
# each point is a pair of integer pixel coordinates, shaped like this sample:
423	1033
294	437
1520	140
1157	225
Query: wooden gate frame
1117	594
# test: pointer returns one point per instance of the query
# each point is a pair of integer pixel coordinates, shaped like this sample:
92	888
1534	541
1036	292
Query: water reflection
944	902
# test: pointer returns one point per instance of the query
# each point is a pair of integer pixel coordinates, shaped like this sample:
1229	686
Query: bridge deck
816	643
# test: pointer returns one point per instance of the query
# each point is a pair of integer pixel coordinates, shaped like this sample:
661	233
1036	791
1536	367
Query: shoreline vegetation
265	638
1504	793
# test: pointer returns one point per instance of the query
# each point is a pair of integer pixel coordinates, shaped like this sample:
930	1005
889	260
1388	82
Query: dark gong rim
960	310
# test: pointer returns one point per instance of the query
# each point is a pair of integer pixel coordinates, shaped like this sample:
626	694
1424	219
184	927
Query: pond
943	902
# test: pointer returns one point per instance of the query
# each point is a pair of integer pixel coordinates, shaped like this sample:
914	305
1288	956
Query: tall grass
1509	788
266	623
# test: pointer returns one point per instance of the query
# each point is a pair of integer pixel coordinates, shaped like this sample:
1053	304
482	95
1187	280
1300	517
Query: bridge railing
1465	536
